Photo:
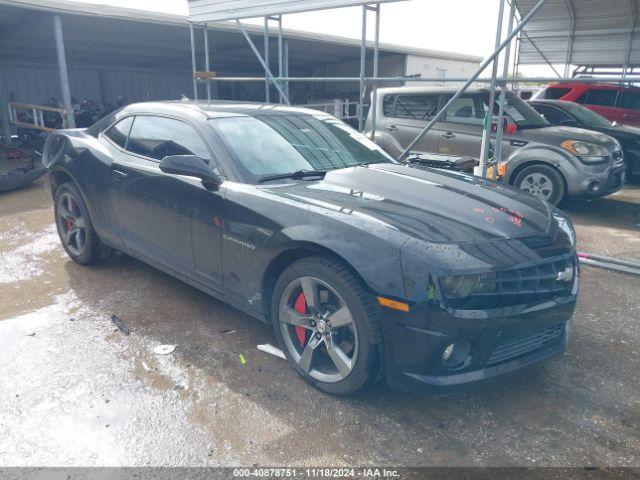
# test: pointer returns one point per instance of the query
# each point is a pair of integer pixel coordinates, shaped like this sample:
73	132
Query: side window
159	137
630	100
416	107
467	110
388	104
601	97
555	93
552	114
118	133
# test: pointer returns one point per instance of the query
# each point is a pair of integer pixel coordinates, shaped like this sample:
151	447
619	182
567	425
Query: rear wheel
542	181
75	228
327	325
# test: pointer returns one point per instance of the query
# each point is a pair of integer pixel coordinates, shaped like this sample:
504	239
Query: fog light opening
593	186
456	354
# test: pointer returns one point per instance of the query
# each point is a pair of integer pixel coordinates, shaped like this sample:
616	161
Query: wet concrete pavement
77	391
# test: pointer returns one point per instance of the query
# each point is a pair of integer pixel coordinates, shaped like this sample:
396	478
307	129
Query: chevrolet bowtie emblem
565	275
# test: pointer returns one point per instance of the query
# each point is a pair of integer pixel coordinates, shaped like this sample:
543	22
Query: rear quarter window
416	107
556	93
388	105
119	132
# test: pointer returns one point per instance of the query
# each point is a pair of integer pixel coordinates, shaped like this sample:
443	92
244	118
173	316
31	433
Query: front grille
528	285
540	341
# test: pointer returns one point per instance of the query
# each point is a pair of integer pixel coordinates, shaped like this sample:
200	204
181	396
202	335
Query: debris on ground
271	350
242	360
179	387
145	366
164	349
120	324
31	334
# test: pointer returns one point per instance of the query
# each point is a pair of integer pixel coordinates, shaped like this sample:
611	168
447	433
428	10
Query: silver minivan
551	162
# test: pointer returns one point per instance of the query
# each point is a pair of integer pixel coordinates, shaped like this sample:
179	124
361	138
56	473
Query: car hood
622	131
556	135
424	203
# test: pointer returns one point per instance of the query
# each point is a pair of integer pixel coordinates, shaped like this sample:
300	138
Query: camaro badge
565	275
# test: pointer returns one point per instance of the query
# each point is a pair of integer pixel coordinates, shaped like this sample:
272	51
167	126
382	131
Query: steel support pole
267	87
280	67
285	66
193	61
262	62
473	77
486	134
206	59
503	94
363	54
374	86
572	32
632	27
64	73
4	113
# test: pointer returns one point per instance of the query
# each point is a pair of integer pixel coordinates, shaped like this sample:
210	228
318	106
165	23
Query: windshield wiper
297	175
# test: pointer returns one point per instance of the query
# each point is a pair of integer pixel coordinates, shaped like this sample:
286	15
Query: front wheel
542	181
327	325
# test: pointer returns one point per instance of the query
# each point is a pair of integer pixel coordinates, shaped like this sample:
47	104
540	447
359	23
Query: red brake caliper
69	222
301	307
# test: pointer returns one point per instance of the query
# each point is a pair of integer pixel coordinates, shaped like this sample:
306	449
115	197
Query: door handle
119	175
392	128
449	135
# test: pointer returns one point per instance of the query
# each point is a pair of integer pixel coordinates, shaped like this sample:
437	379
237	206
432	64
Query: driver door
156	211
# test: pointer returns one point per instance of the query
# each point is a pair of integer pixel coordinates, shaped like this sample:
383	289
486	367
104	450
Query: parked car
616	103
559	112
366	268
551	162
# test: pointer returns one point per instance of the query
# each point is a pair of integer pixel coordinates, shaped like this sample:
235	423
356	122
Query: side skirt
245	308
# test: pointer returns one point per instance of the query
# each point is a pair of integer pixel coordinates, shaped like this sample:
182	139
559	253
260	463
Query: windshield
519	111
587	117
267	145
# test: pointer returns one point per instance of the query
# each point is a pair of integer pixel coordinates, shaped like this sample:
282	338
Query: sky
462	26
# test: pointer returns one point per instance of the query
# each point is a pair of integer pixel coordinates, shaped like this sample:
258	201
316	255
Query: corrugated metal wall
40	83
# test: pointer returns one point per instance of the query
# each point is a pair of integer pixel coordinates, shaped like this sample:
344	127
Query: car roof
591	85
215	108
428	89
557	103
549	101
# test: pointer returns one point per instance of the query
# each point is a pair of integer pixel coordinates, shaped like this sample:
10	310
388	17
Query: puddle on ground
20	261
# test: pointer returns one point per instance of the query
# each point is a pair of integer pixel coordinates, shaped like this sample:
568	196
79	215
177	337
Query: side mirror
508	126
190	166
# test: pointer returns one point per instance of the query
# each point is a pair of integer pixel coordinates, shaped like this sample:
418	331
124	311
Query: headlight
462	286
588	152
565	225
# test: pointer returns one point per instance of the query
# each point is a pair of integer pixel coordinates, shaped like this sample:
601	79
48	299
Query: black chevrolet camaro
367	268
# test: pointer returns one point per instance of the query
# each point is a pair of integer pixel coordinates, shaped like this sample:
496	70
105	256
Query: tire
543	181
346	358
71	214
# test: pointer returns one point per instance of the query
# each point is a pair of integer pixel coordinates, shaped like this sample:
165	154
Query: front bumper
596	181
507	340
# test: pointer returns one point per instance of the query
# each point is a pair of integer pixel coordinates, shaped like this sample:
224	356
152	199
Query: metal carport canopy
581	32
217	10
